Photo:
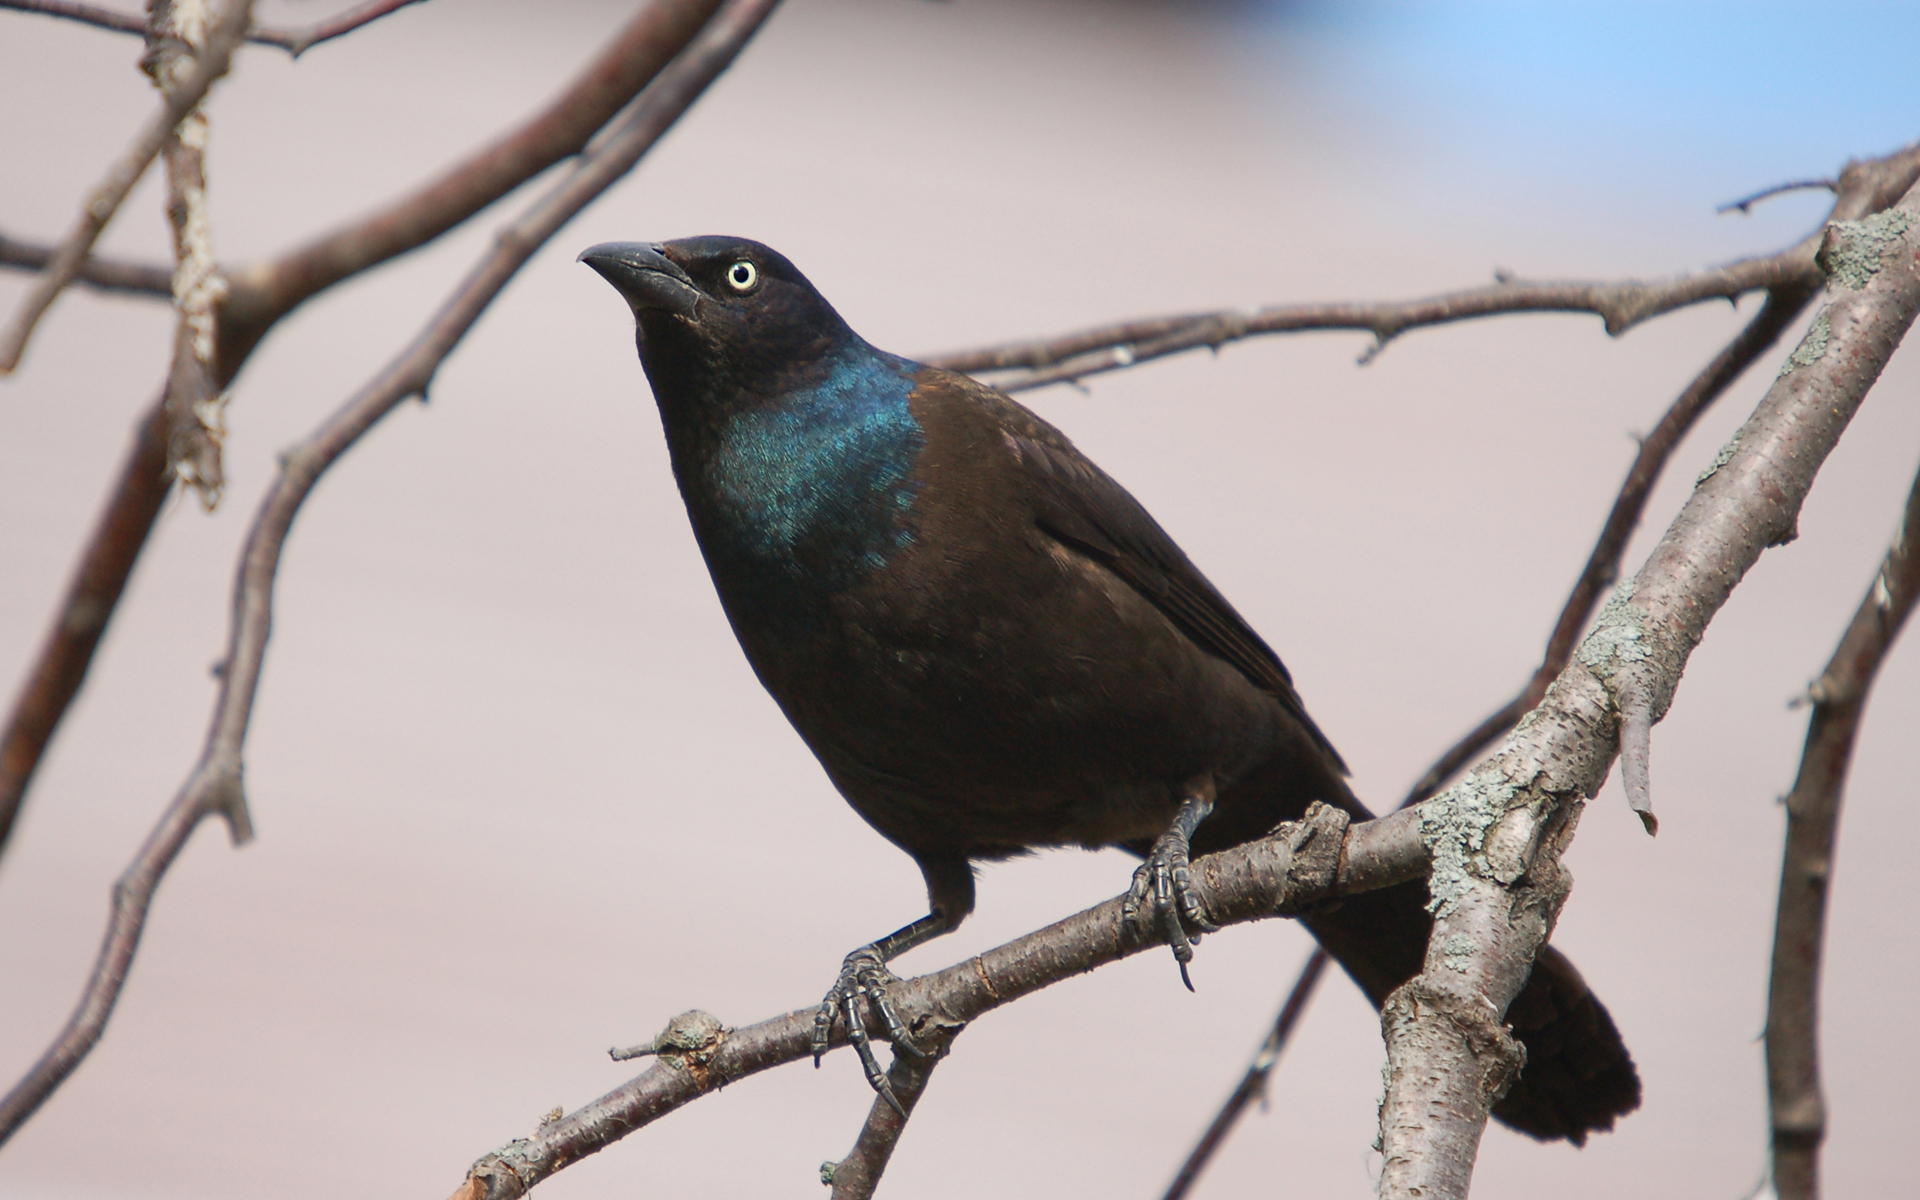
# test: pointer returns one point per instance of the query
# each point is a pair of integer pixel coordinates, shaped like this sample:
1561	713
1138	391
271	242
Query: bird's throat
816	489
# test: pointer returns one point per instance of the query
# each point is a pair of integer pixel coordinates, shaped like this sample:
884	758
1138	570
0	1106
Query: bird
991	647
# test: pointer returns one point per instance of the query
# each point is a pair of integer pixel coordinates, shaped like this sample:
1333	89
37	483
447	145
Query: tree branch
855	1176
265	292
103	274
1806	870
1300	863
195	406
215	784
659	31
1497	836
1784	304
294	41
1621	304
1253	1085
181	98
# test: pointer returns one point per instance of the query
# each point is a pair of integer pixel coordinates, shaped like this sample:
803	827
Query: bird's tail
1578	1076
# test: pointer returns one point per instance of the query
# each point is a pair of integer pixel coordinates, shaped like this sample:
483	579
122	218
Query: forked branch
1497	836
256	300
215	784
180	99
1302	862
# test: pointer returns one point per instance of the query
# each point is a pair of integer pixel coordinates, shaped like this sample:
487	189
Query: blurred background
518	796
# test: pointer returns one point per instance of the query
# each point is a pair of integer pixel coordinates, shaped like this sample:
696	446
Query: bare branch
1299	864
265	292
210	64
1253	1085
1745	205
855	1176
196	407
294	41
111	551
298	41
103	274
1806	871
1621	304
1497	836
86	14
215	785
658	32
1783	306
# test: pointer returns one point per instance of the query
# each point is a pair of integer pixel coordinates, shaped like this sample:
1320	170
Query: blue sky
1706	96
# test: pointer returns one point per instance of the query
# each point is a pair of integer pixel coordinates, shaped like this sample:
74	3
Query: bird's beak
645	276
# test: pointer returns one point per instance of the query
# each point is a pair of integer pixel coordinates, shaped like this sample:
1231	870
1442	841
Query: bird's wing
1082	507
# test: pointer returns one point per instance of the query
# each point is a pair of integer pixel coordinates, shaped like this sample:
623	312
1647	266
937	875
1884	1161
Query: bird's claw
1164	885
864	974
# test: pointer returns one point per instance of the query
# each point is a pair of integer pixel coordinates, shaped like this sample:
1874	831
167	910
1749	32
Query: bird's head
722	320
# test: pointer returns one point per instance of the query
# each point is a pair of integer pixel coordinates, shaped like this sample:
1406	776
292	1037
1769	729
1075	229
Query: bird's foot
864	974
1163	888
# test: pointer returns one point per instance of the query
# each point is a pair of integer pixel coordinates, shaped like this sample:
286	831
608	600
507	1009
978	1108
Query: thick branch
1497	836
111	551
294	41
1806	871
1301	863
215	785
1621	304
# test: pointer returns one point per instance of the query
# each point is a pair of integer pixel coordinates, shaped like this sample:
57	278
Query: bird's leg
865	974
1165	881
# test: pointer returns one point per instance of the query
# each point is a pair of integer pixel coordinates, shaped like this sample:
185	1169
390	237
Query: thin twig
1745	204
1806	870
103	274
1301	863
209	65
215	785
1253	1085
294	41
855	1176
1621	304
633	57
298	41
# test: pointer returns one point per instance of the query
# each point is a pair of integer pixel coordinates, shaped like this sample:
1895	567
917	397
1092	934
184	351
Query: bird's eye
741	276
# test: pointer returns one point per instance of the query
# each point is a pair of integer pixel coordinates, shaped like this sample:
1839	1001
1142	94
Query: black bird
990	646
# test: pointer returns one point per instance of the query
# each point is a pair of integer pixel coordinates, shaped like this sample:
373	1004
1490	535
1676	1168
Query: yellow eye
741	276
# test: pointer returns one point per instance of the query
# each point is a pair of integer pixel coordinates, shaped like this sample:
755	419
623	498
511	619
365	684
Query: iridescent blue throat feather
817	487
